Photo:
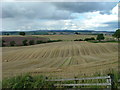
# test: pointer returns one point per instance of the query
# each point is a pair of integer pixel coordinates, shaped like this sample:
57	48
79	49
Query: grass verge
28	81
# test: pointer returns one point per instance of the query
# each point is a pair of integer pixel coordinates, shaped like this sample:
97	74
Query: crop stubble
60	59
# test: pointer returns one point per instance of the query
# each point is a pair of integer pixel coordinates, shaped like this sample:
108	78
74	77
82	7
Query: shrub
25	42
3	43
92	38
39	42
78	40
89	39
54	40
26	81
77	33
7	34
12	43
31	42
22	33
54	33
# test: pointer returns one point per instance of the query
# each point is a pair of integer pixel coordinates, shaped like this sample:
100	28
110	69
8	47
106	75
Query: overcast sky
97	16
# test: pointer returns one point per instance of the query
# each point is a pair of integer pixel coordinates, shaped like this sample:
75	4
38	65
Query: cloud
113	24
82	7
52	10
68	15
109	26
97	21
33	10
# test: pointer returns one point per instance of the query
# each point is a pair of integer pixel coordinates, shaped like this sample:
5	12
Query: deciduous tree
117	34
100	37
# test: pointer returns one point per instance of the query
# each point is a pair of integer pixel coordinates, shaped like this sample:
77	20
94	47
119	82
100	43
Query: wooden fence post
109	81
76	81
112	81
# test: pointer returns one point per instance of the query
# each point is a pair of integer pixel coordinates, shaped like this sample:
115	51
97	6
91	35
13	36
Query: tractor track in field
60	58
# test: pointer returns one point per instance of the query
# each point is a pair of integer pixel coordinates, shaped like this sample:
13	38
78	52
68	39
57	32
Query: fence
109	81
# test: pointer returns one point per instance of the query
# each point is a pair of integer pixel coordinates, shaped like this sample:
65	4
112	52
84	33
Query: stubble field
60	59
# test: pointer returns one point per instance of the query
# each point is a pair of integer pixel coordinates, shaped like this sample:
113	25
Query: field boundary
109	81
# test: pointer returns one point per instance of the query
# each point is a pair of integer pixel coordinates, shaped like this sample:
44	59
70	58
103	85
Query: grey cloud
113	25
52	10
81	7
16	15
33	11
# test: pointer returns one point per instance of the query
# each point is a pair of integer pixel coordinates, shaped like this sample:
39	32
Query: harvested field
71	37
60	59
19	39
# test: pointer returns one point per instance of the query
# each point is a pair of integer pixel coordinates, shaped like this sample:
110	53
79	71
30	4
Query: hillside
63	59
55	32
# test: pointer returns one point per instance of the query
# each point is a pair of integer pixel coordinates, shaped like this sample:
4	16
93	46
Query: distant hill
58	32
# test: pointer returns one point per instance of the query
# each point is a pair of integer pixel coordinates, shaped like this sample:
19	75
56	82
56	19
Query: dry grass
62	37
60	59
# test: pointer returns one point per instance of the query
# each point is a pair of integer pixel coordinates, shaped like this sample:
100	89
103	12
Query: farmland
70	37
19	40
61	59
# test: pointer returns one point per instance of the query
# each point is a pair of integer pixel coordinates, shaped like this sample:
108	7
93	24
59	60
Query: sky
99	16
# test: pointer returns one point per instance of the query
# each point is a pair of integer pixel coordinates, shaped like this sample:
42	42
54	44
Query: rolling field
66	37
70	37
60	59
19	40
61	37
